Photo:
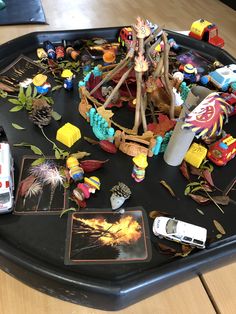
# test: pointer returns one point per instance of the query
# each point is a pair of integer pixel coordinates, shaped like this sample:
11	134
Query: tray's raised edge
107	294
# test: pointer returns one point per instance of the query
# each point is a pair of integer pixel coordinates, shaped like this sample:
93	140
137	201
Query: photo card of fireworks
21	71
41	187
98	236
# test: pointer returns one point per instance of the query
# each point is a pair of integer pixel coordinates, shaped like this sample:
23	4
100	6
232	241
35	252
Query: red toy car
222	151
126	37
230	98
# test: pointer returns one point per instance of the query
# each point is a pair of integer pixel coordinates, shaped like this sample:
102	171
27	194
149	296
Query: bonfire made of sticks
148	70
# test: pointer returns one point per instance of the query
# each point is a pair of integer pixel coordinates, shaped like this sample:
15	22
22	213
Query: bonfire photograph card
41	187
102	237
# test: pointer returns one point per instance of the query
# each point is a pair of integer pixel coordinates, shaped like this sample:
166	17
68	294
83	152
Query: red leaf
25	185
195	171
199	198
92	165
207	176
184	170
108	146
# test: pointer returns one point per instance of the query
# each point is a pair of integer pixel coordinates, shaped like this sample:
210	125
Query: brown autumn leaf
199	198
156	213
195	171
219	227
80	155
168	187
207	176
165	249
25	185
184	170
186	250
221	199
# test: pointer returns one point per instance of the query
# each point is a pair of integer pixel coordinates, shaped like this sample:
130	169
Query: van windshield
4	198
171	226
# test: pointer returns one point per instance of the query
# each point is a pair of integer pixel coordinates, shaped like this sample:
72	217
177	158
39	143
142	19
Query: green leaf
56	87
196	189
28	91
14	101
56	116
21	96
36	150
38	161
16	108
67	210
57	154
17	126
34	92
187	190
22	144
195	183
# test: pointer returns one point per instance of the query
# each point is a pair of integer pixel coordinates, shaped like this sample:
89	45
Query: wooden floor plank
188	297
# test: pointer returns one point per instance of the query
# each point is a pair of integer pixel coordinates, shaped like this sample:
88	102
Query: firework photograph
105	237
40	189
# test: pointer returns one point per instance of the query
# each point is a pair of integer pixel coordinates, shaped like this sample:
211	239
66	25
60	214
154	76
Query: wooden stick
157	71
143	108
138	101
166	75
109	76
121	81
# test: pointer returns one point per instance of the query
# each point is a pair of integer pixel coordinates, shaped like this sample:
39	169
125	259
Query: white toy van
180	231
6	178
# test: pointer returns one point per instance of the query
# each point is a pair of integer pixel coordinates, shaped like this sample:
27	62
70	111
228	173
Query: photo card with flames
99	237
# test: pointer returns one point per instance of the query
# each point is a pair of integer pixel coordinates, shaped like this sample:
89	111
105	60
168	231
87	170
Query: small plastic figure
190	73
50	49
42	55
76	172
41	84
120	193
84	190
60	53
72	53
68	79
140	164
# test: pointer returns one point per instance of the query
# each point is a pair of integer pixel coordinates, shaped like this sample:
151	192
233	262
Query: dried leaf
56	116
90	140
108	146
199	198
229	186
219	227
165	249
56	87
184	170
207	176
92	165
219	235
17	126
167	186
156	213
221	199
72	209
80	155
186	250
200	211
25	185
195	171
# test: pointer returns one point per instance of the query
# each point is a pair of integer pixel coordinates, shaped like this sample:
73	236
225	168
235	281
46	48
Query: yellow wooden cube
68	134
195	155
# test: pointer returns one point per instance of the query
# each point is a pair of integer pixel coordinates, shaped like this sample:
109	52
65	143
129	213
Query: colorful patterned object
207	118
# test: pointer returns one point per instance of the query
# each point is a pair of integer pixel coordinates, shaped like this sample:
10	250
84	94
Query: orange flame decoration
125	231
142	29
141	65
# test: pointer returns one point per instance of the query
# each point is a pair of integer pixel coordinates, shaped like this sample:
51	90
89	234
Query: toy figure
190	73
50	50
41	84
76	172
140	164
83	190
68	79
120	193
42	55
60	53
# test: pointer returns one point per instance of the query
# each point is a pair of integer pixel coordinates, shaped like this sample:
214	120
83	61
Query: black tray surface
32	248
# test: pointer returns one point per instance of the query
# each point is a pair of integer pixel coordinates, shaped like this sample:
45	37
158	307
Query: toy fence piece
100	126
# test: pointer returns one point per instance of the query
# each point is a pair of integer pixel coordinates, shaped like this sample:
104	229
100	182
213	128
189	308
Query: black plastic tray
32	247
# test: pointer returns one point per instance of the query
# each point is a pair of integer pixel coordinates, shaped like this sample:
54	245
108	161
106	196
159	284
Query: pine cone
121	189
41	113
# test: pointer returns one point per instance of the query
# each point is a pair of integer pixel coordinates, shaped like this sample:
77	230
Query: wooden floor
214	292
